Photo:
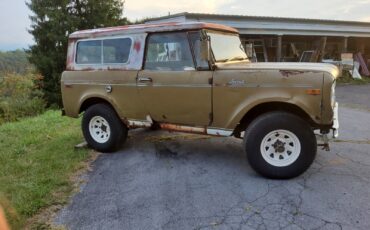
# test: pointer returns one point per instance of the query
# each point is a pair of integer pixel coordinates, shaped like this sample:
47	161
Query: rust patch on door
287	73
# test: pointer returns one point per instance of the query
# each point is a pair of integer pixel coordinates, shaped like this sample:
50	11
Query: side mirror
205	50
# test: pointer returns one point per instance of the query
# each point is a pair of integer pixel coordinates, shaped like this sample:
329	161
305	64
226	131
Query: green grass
347	79
37	162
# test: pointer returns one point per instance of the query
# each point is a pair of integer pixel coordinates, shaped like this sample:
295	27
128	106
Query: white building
285	39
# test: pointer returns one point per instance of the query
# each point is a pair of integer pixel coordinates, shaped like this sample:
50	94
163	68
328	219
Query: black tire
261	129
117	130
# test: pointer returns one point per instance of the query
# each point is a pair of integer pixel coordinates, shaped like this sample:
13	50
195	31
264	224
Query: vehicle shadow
183	147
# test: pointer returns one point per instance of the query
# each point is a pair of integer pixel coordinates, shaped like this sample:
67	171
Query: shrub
20	96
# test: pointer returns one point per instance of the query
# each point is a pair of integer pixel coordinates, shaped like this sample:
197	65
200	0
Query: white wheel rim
280	148
99	129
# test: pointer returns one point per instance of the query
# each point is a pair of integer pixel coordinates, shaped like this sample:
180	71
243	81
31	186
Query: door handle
144	79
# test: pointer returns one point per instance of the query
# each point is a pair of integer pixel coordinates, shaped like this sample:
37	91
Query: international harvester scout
196	77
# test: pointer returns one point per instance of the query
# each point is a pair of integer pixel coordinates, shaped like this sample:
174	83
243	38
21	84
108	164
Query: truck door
170	86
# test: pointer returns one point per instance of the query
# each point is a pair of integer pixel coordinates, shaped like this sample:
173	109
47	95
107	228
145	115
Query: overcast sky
14	19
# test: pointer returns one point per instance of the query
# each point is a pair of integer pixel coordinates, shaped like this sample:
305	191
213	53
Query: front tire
280	145
102	128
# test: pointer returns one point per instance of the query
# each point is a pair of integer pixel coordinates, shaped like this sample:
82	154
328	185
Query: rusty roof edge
307	20
148	28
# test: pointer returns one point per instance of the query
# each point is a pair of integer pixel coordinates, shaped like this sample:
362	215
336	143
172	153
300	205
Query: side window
88	52
168	51
116	50
195	41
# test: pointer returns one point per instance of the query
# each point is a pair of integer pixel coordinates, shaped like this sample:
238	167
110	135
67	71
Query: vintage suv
195	77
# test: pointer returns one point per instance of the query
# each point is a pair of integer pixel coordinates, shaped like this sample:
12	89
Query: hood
282	66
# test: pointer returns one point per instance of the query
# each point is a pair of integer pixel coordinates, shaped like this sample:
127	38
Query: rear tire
280	145
103	129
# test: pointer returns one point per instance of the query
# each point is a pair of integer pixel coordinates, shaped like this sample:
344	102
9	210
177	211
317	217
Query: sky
14	20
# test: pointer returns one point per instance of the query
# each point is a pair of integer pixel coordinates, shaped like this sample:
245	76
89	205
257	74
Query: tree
52	22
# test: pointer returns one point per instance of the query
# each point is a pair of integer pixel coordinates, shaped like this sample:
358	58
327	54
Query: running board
180	128
198	130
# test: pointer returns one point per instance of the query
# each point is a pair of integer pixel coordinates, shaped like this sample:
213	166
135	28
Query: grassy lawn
37	162
347	79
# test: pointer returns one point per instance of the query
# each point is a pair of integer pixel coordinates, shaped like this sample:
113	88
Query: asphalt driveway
162	180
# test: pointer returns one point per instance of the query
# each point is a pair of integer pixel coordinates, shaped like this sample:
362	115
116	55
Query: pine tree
52	22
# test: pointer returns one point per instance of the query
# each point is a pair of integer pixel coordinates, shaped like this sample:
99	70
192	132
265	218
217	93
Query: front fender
236	92
248	105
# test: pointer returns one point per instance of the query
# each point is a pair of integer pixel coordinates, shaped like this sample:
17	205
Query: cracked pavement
162	180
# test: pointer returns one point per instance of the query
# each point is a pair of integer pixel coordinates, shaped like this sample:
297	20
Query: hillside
14	62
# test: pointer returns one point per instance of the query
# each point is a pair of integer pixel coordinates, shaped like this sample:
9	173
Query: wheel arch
271	107
86	103
92	101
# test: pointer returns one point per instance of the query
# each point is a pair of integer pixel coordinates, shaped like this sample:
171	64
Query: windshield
227	47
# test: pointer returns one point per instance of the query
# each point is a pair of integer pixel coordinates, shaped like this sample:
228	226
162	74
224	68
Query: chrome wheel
99	129
280	148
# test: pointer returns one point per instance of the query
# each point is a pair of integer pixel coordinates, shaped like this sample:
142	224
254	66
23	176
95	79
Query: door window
196	43
168	52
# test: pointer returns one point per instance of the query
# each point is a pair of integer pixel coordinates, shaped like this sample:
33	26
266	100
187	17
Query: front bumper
335	127
323	138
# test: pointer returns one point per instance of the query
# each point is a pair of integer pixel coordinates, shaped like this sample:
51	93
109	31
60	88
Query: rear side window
116	50
89	52
107	51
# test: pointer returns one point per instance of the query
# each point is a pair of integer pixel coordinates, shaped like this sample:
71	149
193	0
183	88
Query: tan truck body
196	77
217	99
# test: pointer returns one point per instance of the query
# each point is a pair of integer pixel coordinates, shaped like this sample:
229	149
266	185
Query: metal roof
147	28
228	16
276	25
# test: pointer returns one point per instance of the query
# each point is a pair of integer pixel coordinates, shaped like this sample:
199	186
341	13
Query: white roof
276	25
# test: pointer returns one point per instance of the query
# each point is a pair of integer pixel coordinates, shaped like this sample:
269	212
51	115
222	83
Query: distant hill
14	62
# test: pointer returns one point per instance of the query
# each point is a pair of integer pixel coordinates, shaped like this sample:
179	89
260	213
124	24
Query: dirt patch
355	106
163	152
360	142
